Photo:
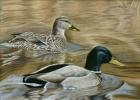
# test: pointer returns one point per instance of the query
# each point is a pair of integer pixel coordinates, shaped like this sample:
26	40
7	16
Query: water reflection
12	88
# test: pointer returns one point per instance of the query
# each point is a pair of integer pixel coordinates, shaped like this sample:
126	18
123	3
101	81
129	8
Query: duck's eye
106	59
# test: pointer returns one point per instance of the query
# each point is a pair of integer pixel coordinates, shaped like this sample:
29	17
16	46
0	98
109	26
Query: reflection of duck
70	74
41	44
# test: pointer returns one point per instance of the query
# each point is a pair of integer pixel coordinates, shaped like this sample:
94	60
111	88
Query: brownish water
111	23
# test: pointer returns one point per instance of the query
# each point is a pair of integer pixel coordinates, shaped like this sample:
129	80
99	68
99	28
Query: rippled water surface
111	23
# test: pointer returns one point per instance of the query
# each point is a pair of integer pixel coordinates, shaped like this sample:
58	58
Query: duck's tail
15	80
5	44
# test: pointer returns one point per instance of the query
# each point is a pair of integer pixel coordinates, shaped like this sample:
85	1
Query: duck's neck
94	62
93	66
58	31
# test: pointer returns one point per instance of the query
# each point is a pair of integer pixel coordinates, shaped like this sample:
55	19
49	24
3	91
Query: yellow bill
74	28
116	62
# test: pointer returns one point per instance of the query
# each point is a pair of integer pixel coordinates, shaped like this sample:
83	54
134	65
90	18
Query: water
111	23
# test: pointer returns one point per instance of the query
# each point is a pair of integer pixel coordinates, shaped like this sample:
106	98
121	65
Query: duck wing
88	80
30	37
50	68
36	39
58	72
47	73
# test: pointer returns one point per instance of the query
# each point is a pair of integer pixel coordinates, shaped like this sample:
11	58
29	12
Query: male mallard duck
42	44
61	72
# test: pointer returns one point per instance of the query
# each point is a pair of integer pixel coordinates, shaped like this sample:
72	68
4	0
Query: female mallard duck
55	42
42	44
68	72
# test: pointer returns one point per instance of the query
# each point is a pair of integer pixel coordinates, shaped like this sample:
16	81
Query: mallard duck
66	73
40	44
54	42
